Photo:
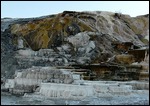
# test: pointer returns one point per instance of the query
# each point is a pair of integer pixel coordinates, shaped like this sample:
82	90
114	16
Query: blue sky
26	9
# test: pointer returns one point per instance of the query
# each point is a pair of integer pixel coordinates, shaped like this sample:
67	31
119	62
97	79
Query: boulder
79	40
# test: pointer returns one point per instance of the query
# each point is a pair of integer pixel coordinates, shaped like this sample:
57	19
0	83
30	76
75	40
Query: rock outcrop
79	45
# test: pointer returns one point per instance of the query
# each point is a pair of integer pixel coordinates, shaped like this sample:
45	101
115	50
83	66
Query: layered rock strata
63	50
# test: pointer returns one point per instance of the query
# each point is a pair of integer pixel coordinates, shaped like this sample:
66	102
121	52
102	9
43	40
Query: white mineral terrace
67	91
81	89
60	83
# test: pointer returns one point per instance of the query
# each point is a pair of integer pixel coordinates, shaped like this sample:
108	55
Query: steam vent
75	55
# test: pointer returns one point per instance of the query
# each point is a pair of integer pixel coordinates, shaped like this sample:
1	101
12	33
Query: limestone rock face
75	55
42	33
73	38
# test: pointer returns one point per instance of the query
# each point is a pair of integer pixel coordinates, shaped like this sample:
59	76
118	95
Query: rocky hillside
73	38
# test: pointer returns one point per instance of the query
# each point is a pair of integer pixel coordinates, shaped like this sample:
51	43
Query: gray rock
60	59
90	46
81	50
65	47
65	60
51	59
83	60
68	81
59	48
79	40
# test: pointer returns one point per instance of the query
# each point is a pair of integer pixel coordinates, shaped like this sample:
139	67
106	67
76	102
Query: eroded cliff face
51	31
73	38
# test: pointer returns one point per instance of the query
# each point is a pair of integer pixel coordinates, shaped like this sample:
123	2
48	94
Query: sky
28	9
